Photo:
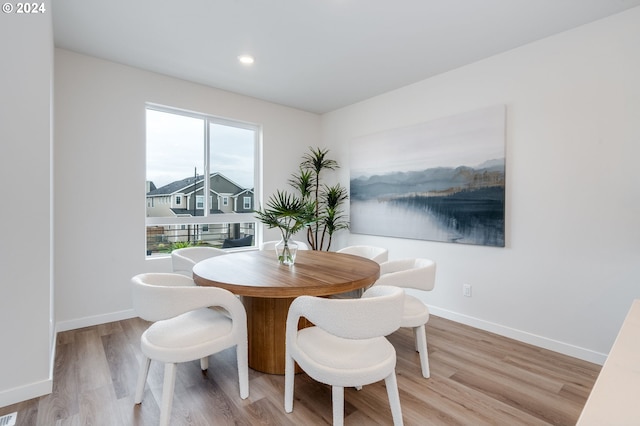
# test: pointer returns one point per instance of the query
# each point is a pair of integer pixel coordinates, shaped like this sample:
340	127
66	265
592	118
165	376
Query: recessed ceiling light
246	59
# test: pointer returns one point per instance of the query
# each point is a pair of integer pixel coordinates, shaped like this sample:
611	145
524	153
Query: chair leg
421	344
167	393
289	376
204	363
337	393
242	354
394	398
142	379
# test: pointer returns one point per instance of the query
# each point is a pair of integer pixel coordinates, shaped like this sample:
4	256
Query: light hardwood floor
477	378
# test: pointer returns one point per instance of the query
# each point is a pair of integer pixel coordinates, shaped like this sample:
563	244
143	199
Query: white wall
571	267
26	332
100	157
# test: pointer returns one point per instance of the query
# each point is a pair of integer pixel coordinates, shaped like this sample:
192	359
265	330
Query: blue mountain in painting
435	181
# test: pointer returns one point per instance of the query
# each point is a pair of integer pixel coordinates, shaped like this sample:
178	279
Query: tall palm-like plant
327	201
316	206
333	219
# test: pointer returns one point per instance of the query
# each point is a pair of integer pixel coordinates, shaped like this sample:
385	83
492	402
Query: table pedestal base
266	325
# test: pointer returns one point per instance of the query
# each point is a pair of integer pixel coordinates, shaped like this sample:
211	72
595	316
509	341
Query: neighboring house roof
176	186
248	191
185	186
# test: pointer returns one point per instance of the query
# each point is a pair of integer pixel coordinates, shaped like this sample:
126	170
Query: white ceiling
315	55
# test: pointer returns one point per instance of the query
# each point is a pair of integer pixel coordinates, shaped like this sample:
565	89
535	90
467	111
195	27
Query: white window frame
207	217
246	202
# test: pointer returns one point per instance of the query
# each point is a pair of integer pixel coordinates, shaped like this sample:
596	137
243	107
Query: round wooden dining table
267	288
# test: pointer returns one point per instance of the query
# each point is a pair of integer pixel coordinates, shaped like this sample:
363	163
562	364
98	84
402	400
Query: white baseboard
94	320
23	393
522	336
36	389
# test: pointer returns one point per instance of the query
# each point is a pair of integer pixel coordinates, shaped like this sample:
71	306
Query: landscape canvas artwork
443	180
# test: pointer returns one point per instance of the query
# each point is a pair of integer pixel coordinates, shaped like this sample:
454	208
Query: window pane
175	154
232	153
184	207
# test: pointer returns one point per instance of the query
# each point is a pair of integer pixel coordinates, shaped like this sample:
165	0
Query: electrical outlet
466	290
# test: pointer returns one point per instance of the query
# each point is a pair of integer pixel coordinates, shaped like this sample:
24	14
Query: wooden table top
258	273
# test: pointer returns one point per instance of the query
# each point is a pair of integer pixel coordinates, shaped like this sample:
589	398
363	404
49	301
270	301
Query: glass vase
286	250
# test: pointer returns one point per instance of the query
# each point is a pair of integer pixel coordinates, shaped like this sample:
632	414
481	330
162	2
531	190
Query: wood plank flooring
477	378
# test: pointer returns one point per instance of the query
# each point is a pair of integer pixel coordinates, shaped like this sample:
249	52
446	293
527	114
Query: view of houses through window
200	180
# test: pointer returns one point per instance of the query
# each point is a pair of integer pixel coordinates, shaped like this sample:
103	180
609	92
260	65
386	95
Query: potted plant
290	214
327	200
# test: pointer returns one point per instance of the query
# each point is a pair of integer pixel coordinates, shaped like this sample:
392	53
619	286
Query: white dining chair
186	330
418	274
377	254
346	346
271	245
183	260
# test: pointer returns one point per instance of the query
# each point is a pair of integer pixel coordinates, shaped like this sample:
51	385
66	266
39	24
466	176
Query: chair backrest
418	273
159	296
271	245
184	259
377	313
377	254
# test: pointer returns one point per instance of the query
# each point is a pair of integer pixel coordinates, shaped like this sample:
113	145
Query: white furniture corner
615	397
